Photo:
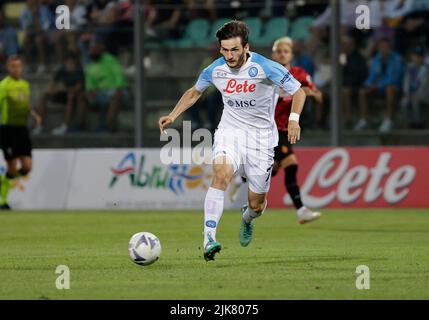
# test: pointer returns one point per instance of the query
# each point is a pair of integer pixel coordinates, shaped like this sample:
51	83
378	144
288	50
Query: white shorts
253	163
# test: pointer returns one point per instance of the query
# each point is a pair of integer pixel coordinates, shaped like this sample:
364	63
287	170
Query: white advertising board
135	179
47	185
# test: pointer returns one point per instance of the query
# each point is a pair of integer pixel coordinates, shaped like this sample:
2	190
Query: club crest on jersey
234	87
253	72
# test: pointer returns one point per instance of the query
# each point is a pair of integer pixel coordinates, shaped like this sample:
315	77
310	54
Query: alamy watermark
254	146
363	278
363	21
62	17
63	280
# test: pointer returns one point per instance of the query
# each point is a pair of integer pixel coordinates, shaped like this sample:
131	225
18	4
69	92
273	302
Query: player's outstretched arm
187	100
294	130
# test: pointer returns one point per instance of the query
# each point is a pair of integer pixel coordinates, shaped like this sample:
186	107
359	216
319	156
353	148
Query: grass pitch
284	261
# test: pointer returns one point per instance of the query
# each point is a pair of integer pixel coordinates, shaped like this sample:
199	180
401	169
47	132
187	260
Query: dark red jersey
284	104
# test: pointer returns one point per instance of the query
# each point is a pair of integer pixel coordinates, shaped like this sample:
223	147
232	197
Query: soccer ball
144	248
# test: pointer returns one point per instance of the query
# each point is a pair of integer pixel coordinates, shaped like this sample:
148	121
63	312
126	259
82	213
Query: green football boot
246	230
212	247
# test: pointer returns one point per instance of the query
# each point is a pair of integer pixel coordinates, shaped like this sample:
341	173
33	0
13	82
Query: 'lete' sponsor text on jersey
249	93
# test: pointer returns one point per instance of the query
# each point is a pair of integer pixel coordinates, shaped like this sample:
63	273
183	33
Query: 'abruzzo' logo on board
175	177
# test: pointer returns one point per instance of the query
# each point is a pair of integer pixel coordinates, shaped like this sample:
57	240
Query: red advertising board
358	177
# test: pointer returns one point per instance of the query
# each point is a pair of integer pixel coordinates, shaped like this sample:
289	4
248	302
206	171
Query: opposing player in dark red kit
284	157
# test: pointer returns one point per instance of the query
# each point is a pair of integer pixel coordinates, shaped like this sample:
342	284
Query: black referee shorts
284	148
15	141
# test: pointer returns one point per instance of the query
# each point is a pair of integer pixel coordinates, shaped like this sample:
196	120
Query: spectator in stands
149	11
101	12
301	59
416	88
388	14
104	16
355	72
400	20
78	15
52	4
37	21
202	9
8	40
378	11
320	28
66	40
105	85
167	19
101	17
227	9
384	80
122	33
66	87
414	26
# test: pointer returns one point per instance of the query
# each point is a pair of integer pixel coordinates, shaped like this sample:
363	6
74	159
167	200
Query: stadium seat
183	43
275	28
195	34
300	28
255	27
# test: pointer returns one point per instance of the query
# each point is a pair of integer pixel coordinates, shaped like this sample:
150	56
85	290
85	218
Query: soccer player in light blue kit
247	134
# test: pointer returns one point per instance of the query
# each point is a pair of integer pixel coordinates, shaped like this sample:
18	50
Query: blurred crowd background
82	79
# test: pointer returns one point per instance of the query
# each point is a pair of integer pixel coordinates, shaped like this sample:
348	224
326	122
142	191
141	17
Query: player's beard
241	60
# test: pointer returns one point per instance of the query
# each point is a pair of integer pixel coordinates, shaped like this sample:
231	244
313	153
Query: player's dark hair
233	29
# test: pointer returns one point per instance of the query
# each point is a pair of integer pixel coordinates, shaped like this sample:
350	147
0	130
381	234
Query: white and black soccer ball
144	248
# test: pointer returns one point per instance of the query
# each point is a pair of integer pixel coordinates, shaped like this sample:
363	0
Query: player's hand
37	117
164	122
294	132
